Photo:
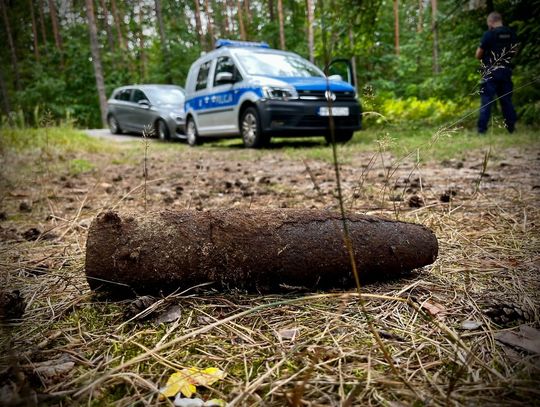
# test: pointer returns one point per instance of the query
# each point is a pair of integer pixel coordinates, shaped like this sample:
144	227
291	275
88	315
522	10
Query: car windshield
167	96
281	65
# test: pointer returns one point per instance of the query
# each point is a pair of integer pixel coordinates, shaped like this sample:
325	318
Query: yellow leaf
185	380
209	376
178	382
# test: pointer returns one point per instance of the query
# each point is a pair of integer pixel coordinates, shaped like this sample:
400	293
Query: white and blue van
250	90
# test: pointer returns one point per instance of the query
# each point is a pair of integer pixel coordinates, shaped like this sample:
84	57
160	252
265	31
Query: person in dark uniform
497	47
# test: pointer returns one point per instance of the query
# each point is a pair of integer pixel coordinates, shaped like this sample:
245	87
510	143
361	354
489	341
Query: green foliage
59	140
78	166
63	82
428	111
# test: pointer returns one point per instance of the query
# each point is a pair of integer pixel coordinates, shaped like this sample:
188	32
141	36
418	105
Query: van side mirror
342	68
224	77
335	77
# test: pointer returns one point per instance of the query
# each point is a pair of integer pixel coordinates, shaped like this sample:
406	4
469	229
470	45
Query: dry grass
72	348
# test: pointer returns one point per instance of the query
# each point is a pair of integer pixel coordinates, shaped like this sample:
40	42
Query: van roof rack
234	43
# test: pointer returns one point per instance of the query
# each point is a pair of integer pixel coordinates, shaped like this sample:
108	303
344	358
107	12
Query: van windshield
280	65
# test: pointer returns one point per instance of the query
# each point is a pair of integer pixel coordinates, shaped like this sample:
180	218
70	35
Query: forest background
414	59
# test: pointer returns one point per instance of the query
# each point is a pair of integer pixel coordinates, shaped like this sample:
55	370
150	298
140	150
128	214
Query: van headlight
272	92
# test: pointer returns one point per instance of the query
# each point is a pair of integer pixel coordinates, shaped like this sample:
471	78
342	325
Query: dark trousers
499	84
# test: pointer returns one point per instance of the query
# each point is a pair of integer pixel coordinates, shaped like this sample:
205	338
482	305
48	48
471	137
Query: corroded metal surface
253	250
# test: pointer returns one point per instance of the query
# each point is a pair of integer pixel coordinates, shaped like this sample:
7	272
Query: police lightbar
233	43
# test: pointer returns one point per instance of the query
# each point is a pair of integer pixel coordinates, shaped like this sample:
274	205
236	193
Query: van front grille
318	95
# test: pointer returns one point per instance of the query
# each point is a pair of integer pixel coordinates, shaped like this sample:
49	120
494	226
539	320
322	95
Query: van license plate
336	111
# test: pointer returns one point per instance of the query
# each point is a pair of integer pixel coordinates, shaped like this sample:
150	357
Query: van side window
202	77
225	64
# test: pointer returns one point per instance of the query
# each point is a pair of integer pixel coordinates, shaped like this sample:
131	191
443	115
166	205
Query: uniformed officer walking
497	47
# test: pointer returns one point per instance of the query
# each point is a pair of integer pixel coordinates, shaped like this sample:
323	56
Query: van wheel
340	136
114	126
250	129
191	132
162	130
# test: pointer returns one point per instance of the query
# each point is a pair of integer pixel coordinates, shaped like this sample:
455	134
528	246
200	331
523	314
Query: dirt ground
440	326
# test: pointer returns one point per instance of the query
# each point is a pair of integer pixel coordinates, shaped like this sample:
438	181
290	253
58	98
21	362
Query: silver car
139	107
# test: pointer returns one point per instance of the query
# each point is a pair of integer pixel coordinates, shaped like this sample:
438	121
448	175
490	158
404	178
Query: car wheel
250	129
340	136
191	133
114	126
162	130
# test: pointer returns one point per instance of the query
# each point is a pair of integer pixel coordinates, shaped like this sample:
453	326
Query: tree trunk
271	12
222	18
396	26
258	251
420	26
163	39
142	52
249	17
198	26
230	19
243	36
209	24
12	49
311	40
42	22
281	24
34	30
353	58
6	105
435	33
118	24
96	60
110	38
56	27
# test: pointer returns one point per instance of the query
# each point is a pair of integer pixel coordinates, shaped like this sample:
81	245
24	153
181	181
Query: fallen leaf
206	377
433	308
288	334
55	370
470	325
526	338
169	315
178	383
186	380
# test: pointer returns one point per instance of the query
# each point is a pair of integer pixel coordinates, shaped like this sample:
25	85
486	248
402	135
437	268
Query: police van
250	90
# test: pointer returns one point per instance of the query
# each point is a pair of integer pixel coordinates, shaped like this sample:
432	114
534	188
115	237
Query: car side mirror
224	77
144	103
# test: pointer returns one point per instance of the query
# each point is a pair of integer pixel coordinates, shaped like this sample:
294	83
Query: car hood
170	108
302	83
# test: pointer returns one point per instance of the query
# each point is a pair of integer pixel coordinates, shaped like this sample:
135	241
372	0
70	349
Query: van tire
251	130
192	135
341	136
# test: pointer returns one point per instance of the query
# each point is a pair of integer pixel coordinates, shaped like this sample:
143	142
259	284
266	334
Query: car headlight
175	116
272	92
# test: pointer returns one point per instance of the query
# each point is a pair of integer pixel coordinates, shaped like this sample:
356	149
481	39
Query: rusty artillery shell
253	250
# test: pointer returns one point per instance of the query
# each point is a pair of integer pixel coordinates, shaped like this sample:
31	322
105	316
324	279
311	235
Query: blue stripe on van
220	99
